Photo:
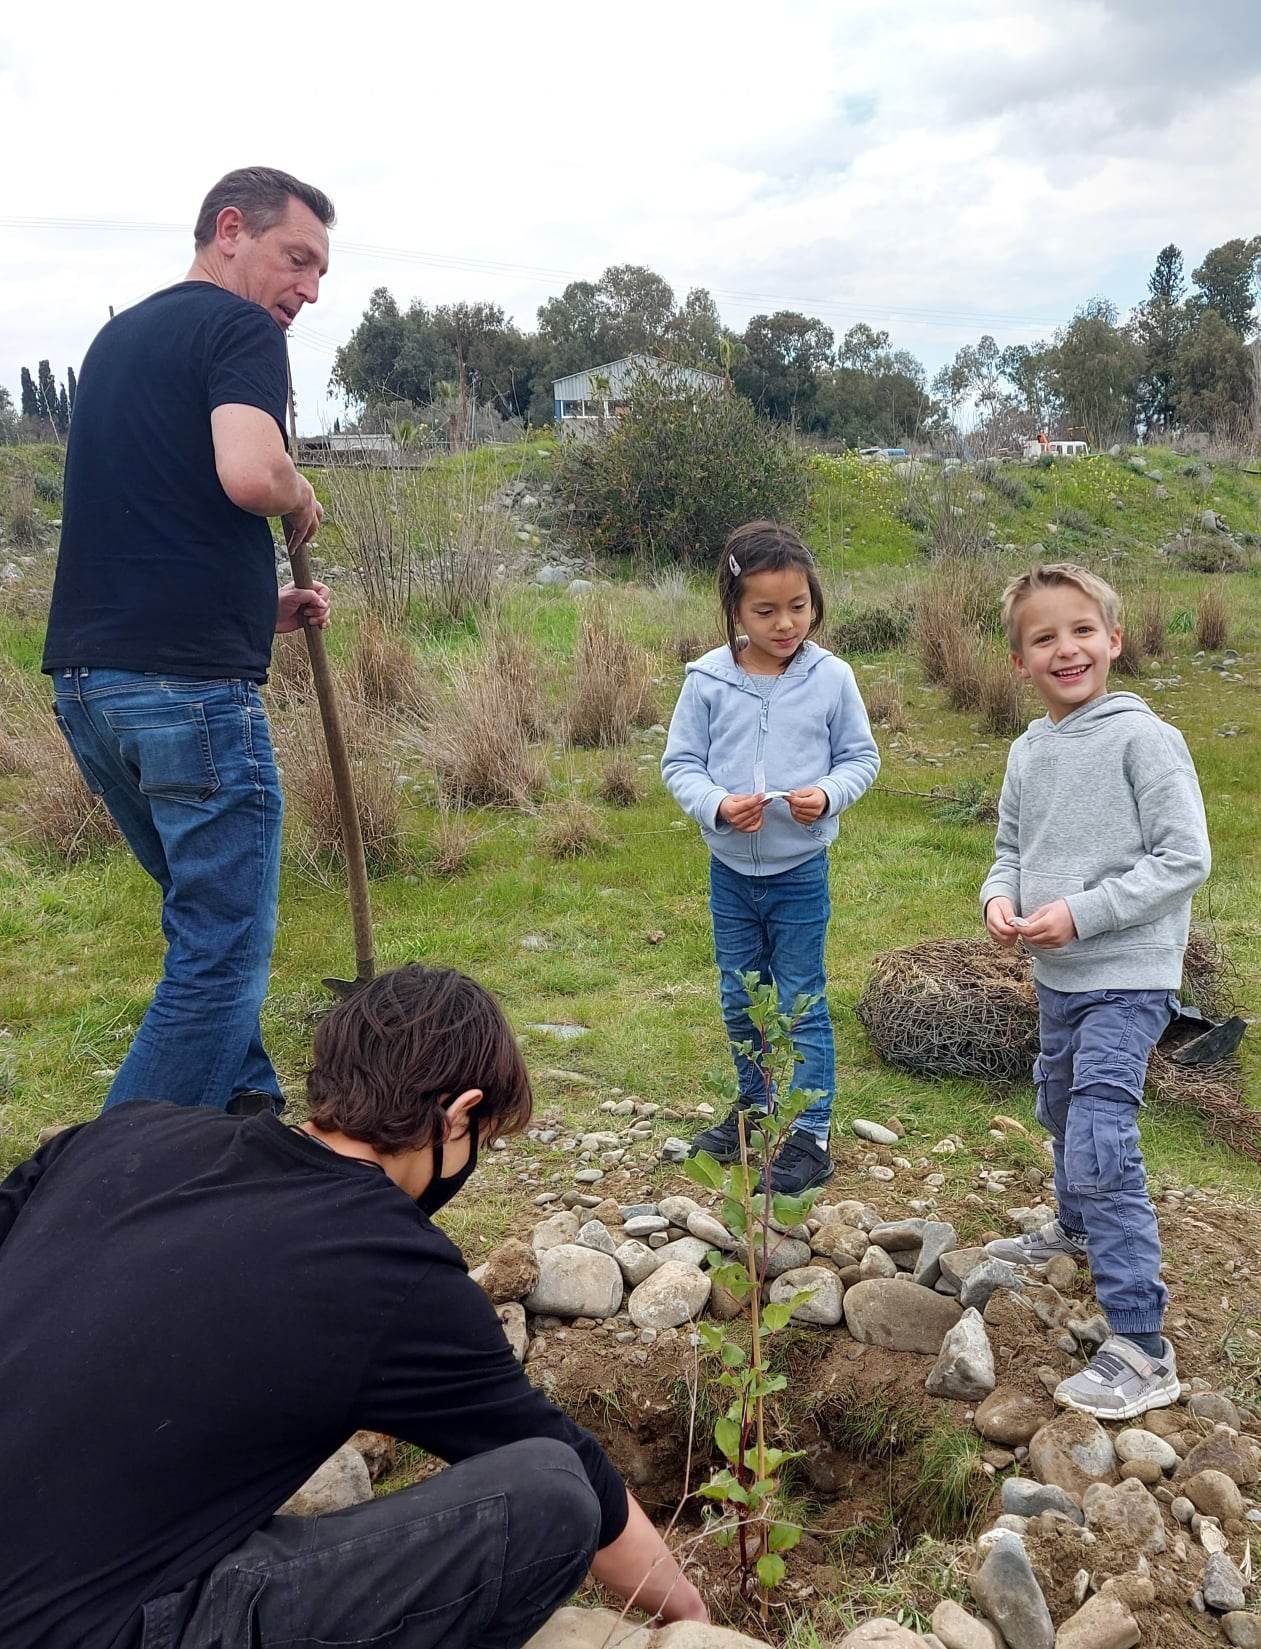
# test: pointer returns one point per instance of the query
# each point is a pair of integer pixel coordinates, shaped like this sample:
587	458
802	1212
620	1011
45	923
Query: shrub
1152	624
383	671
956	598
478	744
1074	520
1001	697
960	657
677	472
1217	553
309	792
571	831
953	514
619	783
612	684
1212	621
1013	489
50	489
886	705
874	629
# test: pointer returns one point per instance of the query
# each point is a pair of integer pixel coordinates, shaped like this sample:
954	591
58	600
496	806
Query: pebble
873	1132
674	1294
596	1235
965	1365
1134	1443
674	1149
1222	1584
643	1225
1007	1590
710	1230
825	1305
1243	1631
589	1176
576	1282
881	1173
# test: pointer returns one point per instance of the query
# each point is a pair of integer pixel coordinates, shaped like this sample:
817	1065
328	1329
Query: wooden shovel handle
343	781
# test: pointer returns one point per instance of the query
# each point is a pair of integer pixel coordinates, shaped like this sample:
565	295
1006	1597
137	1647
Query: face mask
438	1193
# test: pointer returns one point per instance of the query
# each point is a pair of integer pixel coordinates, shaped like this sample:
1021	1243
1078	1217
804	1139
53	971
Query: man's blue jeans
186	770
1089	1077
776	927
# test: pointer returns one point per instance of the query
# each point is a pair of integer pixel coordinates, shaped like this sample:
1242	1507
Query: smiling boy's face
1065	649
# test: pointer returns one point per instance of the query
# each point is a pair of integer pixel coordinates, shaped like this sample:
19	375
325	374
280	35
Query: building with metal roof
603	392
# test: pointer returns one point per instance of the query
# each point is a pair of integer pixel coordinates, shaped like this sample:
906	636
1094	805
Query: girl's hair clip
734	565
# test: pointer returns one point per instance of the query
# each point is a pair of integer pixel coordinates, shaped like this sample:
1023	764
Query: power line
911	314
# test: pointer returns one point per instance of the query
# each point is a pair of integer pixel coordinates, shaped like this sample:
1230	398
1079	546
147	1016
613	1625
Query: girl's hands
808	804
742	812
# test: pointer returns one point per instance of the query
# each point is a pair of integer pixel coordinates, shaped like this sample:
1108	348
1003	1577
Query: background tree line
1181	360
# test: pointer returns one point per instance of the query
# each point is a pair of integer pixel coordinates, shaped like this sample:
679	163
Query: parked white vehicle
1057	449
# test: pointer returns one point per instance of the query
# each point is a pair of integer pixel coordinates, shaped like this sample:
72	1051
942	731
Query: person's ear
456	1118
1114	644
1019	666
229	230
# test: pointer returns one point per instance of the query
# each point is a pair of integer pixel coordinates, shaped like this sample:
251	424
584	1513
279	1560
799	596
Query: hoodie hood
719	664
1088	717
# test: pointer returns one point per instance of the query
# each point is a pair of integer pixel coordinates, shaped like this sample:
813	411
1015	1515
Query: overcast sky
941	170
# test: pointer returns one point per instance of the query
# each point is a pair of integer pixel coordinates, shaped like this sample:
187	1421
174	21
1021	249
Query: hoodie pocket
1039	887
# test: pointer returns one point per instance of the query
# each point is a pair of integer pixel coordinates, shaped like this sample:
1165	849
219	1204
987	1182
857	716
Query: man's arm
257	473
640	1568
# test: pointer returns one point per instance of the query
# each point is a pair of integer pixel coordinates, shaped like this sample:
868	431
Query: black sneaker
251	1102
722	1140
801	1164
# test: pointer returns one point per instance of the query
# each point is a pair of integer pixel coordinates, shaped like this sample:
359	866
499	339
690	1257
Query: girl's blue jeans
1089	1078
186	770
776	927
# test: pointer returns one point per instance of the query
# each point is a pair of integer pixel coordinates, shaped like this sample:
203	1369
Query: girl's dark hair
388	1056
762	547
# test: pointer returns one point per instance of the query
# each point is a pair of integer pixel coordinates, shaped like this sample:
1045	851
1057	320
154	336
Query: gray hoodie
1103	810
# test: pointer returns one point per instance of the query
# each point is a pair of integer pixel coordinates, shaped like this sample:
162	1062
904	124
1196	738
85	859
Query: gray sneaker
1035	1248
1120	1381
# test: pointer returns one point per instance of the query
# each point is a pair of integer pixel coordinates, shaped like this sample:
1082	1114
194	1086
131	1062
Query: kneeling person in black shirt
196	1309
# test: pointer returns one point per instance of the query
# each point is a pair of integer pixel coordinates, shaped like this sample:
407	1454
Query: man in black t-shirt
163	610
197	1309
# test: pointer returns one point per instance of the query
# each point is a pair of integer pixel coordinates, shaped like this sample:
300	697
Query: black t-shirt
158	568
195	1311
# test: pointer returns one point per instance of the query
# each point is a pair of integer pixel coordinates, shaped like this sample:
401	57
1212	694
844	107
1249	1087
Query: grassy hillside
617	939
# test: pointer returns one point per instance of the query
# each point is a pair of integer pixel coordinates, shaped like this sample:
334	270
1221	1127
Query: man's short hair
261	194
388	1057
1053	576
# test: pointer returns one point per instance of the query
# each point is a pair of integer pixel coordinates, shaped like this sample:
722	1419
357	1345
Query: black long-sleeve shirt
195	1311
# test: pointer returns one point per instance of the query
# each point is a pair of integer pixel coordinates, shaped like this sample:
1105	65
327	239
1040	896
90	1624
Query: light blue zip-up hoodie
726	739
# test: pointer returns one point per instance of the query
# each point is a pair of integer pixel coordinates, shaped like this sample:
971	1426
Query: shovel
343	788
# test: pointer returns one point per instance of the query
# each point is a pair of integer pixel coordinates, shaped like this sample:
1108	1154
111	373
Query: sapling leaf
776	1316
727	1437
788	1210
770	1568
769	1383
734	1356
703	1170
712	1335
733	1277
783	1536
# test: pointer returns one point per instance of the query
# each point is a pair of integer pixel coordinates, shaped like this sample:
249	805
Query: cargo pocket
168	747
1101	1148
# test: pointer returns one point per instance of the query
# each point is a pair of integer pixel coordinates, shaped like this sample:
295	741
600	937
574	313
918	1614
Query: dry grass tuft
1152	624
619	784
62	817
384	672
1212	621
21	517
960	662
886	704
478	744
515	660
690	644
1129	661
571	831
308	783
1001	697
451	843
955	601
612	688
289	681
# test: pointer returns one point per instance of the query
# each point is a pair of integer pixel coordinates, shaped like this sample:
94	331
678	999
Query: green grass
82	946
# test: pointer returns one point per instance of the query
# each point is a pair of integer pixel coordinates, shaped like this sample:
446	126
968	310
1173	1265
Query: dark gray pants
475	1558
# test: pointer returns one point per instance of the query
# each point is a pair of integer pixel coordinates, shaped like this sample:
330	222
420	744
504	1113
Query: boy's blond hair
1053	576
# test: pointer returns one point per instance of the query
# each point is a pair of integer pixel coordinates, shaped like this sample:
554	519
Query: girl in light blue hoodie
769	743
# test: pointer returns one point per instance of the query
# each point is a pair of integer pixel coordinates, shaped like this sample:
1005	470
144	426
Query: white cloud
940	171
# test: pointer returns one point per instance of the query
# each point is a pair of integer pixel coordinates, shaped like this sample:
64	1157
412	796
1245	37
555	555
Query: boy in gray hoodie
1101	842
